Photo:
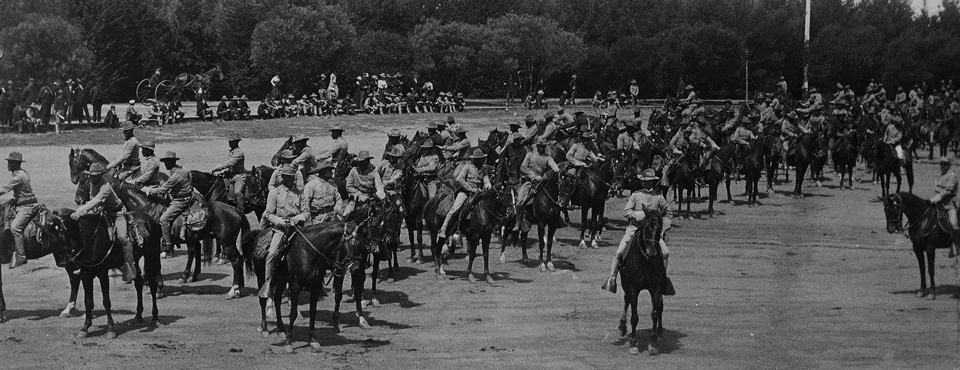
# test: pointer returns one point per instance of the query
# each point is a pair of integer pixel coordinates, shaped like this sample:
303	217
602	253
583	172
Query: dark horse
91	248
311	252
886	163
224	223
487	215
79	161
845	158
643	268
802	155
413	191
544	210
719	168
684	178
41	240
753	170
380	226
927	231
590	192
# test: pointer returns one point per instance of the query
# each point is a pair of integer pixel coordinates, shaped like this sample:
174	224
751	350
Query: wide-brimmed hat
243	97
362	156
304	96
450	118
287	170
588	135
577	112
126	125
234	137
314	95
169	156
548	116
633	81
689	87
648	175
427	144
944	160
792	115
132	102
477	154
298	138
432	126
96	169
629	124
529	119
290	96
542	141
514	124
461	130
560	109
320	167
15	157
286	154
394	133
442	123
236	97
813	89
396	151
337	128
149	144
223	97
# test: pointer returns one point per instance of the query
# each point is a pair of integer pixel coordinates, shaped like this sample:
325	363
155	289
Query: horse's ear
880	198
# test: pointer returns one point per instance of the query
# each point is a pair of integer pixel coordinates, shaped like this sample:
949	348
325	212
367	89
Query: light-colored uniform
275	180
946	196
284	207
457	149
180	187
578	155
128	163
234	169
892	137
533	168
471	181
149	176
105	199
361	186
633	211
742	136
323	200
390	175
625	142
306	162
339	148
26	203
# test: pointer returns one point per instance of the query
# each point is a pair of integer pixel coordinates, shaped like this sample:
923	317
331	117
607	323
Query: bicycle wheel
143	91
166	91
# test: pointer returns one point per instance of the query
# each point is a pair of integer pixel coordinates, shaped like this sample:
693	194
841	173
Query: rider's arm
572	156
235	156
462	179
630	212
526	168
269	214
14	183
353	181
553	164
147	171
124	154
95	200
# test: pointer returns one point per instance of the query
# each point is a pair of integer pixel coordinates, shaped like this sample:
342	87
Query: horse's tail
248	244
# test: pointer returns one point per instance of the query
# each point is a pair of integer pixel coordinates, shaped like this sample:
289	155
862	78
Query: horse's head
650	233
350	244
507	199
893	211
77	165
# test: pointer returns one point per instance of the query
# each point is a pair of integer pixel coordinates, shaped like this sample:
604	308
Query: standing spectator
274	88
80	106
5	97
573	90
29	94
46	102
69	101
155	79
540	103
634	92
96	98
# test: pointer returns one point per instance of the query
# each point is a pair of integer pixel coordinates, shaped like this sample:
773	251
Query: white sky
933	6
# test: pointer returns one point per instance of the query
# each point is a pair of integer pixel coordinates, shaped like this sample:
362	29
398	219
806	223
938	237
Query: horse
718	169
79	161
926	229
643	268
773	148
752	171
255	189
381	222
544	210
224	223
805	148
590	192
944	135
845	158
311	252
886	163
819	159
46	241
90	247
414	194
488	213
684	178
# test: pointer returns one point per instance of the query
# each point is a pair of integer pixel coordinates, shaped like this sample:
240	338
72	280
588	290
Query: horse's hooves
138	319
82	334
921	294
543	267
315	345
365	303
374	302
583	245
594	244
194	279
550	267
490	280
155	322
470	278
110	335
338	328
634	351
288	348
183	281
439	277
363	324
64	314
931	296
264	333
653	351
232	295
390	280
503	258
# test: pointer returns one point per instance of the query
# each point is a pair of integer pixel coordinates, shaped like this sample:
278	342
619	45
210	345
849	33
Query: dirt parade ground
795	283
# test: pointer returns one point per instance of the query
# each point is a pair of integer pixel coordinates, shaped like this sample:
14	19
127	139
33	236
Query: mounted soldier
458	147
363	183
511	136
149	176
435	136
790	131
322	196
25	203
393	139
640	203
427	167
390	170
534	167
104	200
284	158
946	198
233	170
128	163
471	181
179	186
286	208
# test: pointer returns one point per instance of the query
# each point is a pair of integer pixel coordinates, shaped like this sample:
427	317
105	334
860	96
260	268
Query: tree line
482	48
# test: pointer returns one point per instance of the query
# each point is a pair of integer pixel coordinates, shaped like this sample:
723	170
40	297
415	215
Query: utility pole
746	75
806	45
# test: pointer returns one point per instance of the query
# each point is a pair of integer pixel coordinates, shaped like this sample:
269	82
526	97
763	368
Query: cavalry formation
325	214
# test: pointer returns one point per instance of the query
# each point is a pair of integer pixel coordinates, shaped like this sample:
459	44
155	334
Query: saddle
194	218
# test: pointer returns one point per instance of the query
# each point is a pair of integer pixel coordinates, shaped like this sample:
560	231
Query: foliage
44	47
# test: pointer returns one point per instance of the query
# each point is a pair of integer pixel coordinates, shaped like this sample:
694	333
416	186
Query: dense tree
44	47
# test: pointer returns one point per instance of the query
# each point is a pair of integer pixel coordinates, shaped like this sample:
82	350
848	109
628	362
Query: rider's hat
477	154
648	175
689	87
362	156
441	123
337	128
588	135
223	97
529	119
792	115
396	151
394	133
298	138
514	124
450	118
287	170
15	157
132	102
169	156
243	97
432	125
320	167
234	137
286	154
149	144
427	144
461	130
96	169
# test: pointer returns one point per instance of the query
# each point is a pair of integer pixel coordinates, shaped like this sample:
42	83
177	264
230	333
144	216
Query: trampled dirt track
793	284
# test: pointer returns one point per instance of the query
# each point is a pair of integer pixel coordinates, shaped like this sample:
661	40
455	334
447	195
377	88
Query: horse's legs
522	242
154	287
918	251
277	299
138	285
551	230
729	196
357	281
931	265
238	282
899	178
584	224
596	227
472	241
623	316
105	292
712	194
374	276
413	242
485	245
689	200
435	249
87	305
656	300
314	297
634	320
541	245
294	300
74	289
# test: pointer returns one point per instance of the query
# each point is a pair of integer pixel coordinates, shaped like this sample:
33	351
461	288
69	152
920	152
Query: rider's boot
611	283
130	268
955	234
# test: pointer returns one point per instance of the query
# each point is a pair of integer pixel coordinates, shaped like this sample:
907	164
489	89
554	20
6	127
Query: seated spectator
131	114
111	119
223	111
204	111
244	112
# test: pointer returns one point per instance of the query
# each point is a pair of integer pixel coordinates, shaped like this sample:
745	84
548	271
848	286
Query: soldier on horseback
149	167
893	137
128	163
742	138
25	202
459	146
390	171
363	183
393	139
511	136
233	169
427	167
534	167
790	131
284	158
471	181
946	198
638	205
104	199
179	186
286	208
322	196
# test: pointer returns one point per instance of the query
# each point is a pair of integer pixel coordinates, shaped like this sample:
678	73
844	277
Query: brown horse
926	230
643	269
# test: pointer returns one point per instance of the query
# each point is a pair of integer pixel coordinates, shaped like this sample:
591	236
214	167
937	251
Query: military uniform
578	155
284	207
103	198
128	163
427	166
533	168
323	200
892	137
149	173
26	205
362	185
233	169
180	188
471	180
457	149
338	149
390	175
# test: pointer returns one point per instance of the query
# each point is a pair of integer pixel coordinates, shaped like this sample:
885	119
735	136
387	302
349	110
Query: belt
26	202
131	163
322	210
187	196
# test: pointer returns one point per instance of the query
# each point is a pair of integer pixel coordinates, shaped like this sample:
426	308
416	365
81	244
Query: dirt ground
792	284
